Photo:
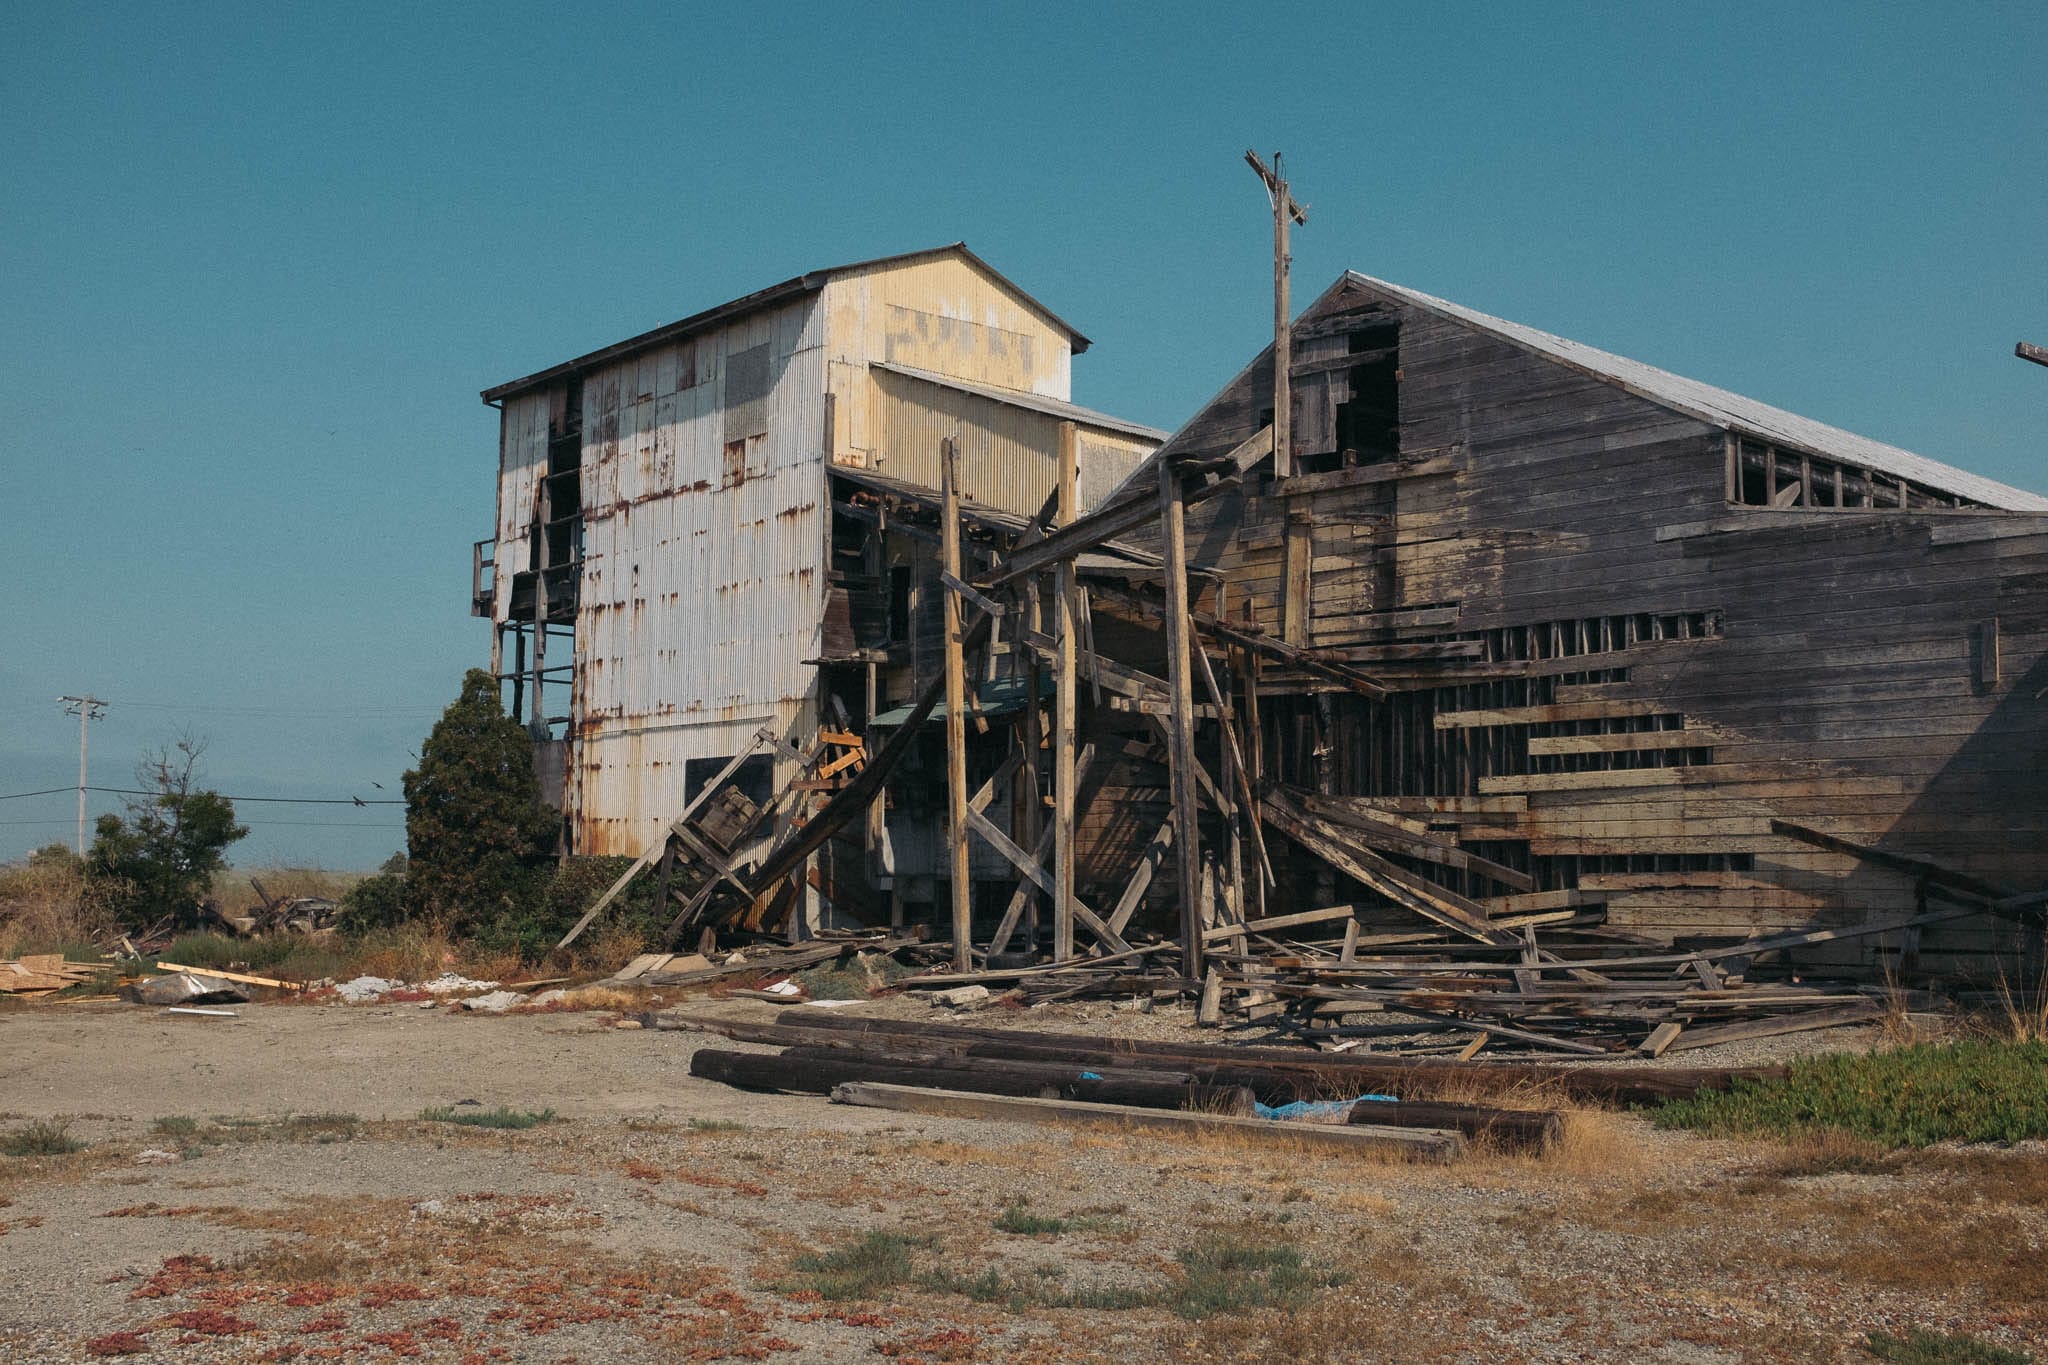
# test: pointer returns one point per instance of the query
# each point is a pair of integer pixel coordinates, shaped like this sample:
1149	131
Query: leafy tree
382	901
479	838
165	851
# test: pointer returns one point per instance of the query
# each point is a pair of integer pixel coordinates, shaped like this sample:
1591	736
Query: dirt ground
266	1188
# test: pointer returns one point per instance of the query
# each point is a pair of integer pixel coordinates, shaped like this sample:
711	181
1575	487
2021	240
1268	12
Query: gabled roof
1032	402
1720	408
808	283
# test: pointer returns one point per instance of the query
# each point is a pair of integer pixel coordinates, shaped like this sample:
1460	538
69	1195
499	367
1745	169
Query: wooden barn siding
1843	683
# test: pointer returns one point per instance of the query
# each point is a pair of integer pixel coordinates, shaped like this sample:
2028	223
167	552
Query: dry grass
233	888
46	905
606	948
604	998
1826	1152
2021	1015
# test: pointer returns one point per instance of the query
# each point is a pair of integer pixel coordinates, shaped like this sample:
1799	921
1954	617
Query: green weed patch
1973	1091
500	1117
1922	1347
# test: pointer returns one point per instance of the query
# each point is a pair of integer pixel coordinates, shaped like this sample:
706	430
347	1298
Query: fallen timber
1424	1144
817	1071
820	1069
1276	1075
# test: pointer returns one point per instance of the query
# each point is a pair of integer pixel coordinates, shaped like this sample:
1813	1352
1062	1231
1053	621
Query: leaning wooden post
1030	812
956	715
1187	851
1064	686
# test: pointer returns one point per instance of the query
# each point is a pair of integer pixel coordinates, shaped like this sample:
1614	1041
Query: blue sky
259	260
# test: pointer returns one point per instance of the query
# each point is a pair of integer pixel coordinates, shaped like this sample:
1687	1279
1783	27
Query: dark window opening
754	778
1763	475
1347	405
899	604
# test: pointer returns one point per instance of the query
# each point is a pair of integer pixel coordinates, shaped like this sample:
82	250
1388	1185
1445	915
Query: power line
272	800
258	820
384	712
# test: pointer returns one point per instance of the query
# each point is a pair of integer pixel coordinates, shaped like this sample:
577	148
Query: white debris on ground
366	988
549	997
497	1002
450	983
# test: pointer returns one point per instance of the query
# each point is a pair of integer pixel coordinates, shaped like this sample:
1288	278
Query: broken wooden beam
1422	1144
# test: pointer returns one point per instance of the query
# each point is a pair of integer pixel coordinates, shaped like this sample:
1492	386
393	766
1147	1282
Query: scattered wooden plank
1771	1025
1422	1144
239	978
1661	1038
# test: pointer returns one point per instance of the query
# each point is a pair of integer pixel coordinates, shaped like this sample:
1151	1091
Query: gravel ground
656	1218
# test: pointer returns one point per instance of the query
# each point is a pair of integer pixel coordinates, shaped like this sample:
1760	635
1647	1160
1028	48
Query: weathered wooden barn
663	581
1699	669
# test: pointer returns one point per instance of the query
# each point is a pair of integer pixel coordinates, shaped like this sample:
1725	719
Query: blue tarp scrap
1317	1109
1091	1075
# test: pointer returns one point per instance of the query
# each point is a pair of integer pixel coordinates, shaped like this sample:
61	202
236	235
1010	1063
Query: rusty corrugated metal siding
522	460
703	582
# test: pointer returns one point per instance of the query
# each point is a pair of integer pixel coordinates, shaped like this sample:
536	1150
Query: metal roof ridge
1024	398
809	282
1722	407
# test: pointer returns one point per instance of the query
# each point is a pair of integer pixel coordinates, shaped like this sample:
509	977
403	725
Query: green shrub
171	843
878	1261
1922	1347
500	1117
479	840
41	1138
383	901
1021	1221
1907	1097
1230	1276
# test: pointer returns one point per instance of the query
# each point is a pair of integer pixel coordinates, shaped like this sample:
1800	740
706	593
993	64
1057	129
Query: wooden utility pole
86	709
1064	684
956	715
2027	350
1187	841
1285	211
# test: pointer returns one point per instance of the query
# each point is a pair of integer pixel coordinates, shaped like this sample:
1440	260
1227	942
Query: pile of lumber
40	974
764	958
1075	1078
1136	971
1589	1000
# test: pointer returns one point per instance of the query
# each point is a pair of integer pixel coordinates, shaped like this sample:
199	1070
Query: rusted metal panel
704	575
522	460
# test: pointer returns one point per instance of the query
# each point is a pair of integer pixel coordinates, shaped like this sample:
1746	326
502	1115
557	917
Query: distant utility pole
1284	211
86	709
2027	350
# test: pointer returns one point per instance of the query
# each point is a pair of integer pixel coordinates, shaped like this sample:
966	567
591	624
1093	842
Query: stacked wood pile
1079	1079
767	958
40	974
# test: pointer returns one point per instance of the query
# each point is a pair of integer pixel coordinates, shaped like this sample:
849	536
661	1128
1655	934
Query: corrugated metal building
659	578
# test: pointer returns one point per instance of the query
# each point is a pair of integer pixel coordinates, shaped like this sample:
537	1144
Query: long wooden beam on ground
1624	1084
1423	1144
